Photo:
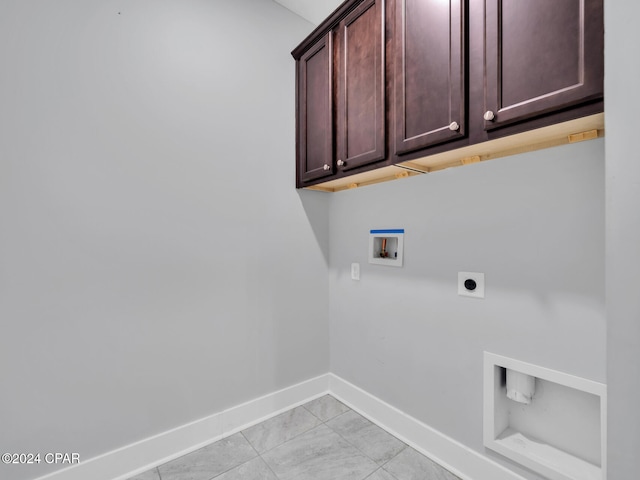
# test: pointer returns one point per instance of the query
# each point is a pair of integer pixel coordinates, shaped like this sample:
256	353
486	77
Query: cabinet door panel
429	75
315	92
541	56
361	86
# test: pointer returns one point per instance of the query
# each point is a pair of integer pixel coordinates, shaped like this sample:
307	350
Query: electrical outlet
355	271
471	284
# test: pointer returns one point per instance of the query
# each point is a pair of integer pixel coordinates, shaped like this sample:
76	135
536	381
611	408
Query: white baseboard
141	456
138	457
452	455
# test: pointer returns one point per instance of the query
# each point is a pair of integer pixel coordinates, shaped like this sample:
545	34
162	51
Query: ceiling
315	11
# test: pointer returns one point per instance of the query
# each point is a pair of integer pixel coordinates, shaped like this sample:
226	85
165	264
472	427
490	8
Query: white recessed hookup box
386	246
560	433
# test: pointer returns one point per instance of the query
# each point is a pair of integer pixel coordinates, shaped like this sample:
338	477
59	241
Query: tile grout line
322	422
352	410
406	446
377	470
380	465
228	469
238	465
288	440
269	467
260	456
329	419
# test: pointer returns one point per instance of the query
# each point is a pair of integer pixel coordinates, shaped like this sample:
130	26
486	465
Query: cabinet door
360	71
429	84
315	116
541	56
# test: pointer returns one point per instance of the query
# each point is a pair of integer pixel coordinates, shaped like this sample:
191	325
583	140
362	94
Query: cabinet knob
489	115
340	163
453	126
326	167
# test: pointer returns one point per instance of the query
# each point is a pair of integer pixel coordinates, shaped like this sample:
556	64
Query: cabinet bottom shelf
585	128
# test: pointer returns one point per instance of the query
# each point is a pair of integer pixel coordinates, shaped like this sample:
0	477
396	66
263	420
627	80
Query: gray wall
157	266
623	236
156	263
533	223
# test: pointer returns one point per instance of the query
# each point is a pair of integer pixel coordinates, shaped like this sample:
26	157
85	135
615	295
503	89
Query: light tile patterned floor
321	440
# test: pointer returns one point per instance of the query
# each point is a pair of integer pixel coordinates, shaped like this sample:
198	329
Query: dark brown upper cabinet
415	85
341	94
360	72
314	102
429	75
541	56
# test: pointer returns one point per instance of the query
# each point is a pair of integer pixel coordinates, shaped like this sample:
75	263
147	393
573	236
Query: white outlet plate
355	271
478	292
